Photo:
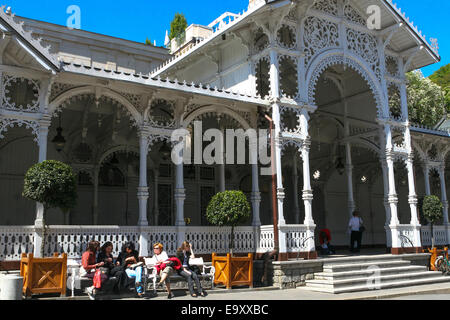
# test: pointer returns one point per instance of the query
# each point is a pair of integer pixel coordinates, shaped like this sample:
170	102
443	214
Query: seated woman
325	242
126	259
118	272
184	253
159	258
89	267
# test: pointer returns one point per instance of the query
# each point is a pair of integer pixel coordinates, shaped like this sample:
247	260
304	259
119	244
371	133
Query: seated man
325	242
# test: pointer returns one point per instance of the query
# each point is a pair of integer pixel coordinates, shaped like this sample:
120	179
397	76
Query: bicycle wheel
440	265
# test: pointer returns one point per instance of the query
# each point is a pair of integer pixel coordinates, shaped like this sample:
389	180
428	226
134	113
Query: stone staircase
363	273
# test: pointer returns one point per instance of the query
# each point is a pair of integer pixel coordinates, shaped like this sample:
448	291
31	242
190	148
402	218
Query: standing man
355	227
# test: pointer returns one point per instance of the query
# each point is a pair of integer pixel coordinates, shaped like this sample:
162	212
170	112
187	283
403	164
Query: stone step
359	273
363	281
367	258
386	285
365	265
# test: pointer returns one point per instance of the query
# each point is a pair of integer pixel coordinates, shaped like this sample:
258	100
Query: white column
39	222
307	190
143	187
222	165
392	196
412	197
426	176
349	171
444	193
96	172
256	196
275	96
386	202
156	204
295	189
180	193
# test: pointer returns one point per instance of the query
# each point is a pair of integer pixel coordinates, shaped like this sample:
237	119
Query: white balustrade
14	241
216	239
266	239
440	235
296	237
73	240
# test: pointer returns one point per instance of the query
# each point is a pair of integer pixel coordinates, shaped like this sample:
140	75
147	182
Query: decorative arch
336	56
419	150
105	155
6	123
215	109
58	101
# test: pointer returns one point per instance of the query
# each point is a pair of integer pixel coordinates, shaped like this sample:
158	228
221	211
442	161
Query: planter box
233	271
44	275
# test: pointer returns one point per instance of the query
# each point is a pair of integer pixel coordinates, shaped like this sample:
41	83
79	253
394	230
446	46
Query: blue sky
137	20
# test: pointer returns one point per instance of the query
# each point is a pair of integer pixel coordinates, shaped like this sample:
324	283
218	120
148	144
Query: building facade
335	89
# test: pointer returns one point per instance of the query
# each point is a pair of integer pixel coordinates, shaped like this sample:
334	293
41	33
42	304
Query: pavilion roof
12	24
410	36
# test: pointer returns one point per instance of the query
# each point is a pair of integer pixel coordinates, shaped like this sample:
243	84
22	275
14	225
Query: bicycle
442	264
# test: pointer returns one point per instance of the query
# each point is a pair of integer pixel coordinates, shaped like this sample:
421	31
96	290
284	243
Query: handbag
361	227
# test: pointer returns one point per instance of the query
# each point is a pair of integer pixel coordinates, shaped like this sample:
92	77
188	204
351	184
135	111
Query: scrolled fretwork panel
20	94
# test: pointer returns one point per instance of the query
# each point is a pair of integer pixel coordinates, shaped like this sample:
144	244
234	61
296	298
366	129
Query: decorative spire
167	40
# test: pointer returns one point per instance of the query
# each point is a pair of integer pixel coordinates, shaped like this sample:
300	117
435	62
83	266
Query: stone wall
292	274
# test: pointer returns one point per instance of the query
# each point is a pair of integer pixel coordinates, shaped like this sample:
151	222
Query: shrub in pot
53	184
231	208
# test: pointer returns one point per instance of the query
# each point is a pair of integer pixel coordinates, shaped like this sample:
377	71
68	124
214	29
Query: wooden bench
151	274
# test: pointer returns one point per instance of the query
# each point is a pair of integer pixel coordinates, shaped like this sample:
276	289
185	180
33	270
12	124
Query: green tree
53	184
426	101
177	26
228	208
148	42
442	78
432	211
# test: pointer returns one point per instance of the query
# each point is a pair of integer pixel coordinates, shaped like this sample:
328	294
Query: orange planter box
44	275
233	271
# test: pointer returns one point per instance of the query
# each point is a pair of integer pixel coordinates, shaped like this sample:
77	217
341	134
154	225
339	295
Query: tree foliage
442	78
51	183
178	25
426	101
432	208
228	208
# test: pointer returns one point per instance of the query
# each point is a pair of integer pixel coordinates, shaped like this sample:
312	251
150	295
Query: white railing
73	240
266	239
217	239
14	241
440	235
296	237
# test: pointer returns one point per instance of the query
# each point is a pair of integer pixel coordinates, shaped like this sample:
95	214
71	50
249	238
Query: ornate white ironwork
339	59
352	15
319	34
365	46
392	67
328	6
9	82
29	124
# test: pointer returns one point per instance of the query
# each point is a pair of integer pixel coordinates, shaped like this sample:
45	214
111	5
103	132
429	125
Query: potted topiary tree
53	184
230	208
432	212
